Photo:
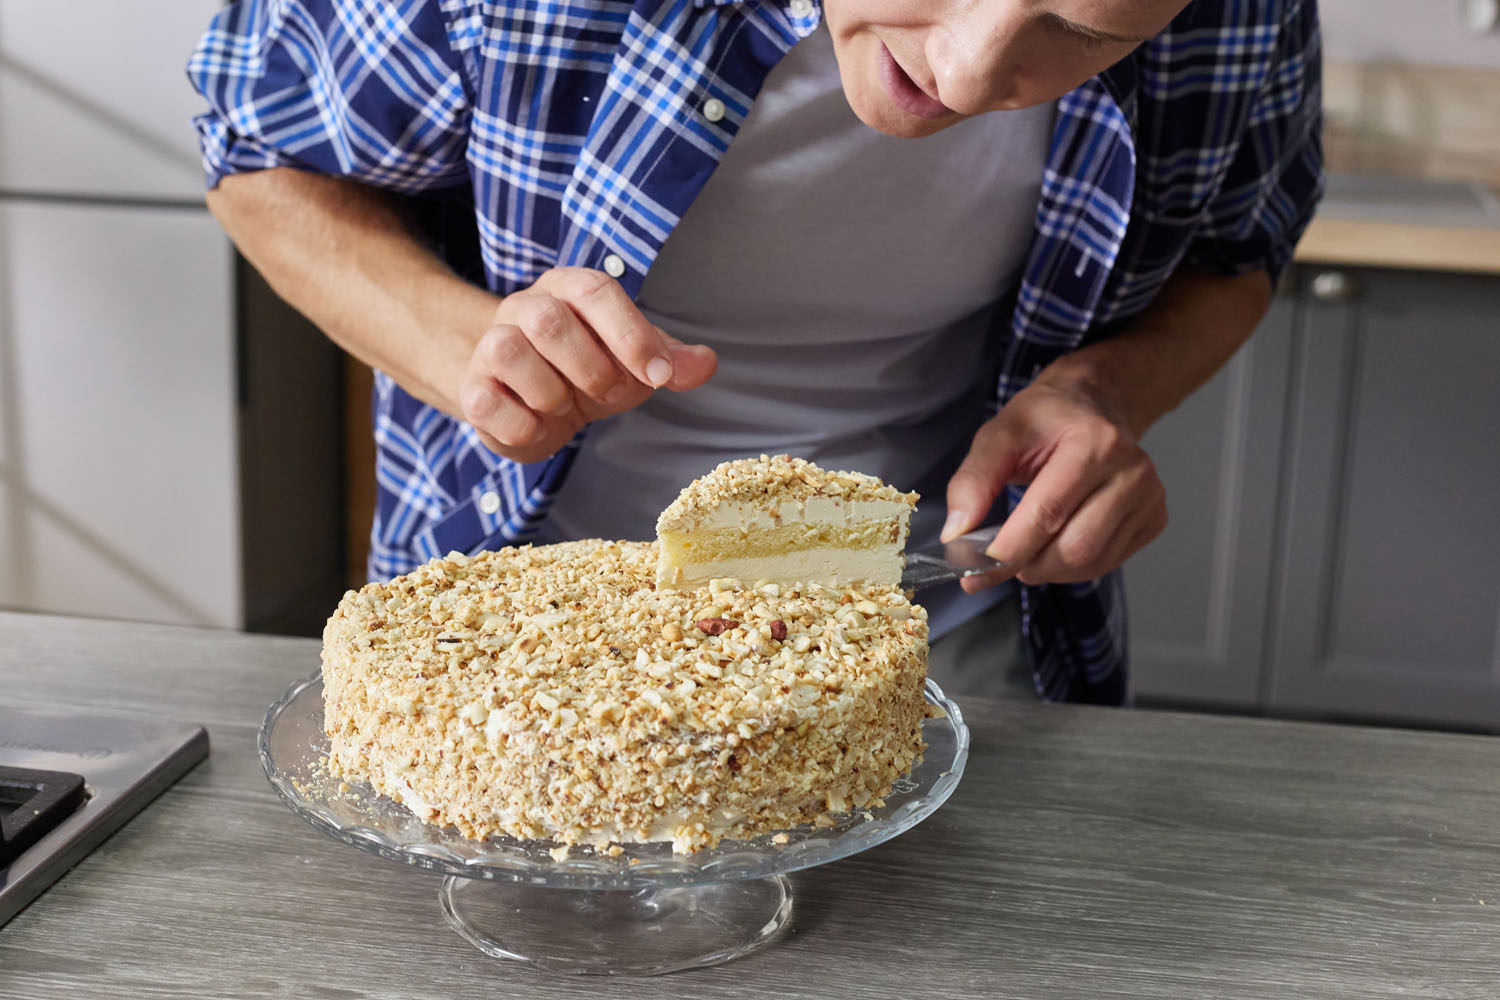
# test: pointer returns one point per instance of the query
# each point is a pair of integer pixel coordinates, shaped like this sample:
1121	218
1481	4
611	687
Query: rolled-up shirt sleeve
372	91
1275	180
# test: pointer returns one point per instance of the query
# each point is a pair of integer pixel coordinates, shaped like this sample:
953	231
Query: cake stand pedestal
644	912
618	931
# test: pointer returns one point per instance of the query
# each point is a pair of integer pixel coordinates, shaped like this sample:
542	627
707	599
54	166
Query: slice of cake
783	520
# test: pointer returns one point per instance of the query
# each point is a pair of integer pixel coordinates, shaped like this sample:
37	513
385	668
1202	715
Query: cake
551	692
784	520
555	692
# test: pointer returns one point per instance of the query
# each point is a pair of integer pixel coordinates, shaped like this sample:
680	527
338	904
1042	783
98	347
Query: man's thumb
692	365
977	482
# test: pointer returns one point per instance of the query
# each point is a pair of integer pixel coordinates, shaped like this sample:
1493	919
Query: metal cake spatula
955	560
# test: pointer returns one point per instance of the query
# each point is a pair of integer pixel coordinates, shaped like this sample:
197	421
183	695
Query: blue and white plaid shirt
569	131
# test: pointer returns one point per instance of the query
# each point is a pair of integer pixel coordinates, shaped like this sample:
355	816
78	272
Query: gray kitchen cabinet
1388	595
1198	596
1335	511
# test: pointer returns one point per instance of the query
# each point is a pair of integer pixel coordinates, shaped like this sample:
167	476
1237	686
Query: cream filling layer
828	566
825	540
679	546
817	509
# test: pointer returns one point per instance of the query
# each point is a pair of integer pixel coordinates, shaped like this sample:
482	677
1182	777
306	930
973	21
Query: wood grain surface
1381	243
1087	853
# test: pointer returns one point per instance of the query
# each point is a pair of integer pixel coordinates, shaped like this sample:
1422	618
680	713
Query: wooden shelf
1354	242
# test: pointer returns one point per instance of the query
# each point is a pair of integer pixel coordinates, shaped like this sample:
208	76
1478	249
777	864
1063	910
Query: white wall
119	434
1414	31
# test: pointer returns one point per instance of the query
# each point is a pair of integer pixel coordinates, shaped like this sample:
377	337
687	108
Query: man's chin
895	122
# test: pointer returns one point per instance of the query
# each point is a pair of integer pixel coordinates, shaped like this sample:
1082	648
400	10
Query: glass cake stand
644	912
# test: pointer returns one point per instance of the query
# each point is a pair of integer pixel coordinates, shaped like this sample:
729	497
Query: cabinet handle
1333	286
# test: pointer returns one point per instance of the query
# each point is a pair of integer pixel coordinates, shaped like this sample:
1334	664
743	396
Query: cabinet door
1388	597
94	98
118	438
1198	594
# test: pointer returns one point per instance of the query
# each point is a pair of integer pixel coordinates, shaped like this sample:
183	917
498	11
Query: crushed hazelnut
716	625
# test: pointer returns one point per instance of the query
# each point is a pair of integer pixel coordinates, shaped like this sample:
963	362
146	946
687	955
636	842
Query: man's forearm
342	255
1194	326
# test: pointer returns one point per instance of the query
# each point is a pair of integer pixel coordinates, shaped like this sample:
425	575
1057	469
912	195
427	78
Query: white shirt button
713	109
802	8
489	502
614	266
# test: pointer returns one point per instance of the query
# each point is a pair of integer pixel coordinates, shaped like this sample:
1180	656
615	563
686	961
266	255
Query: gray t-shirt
850	283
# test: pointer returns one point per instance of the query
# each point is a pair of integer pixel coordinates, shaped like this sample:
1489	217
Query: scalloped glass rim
292	746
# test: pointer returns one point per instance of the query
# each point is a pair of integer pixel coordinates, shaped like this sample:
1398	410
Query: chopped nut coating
576	702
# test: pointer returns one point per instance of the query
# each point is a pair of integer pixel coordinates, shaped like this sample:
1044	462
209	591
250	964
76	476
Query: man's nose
971	63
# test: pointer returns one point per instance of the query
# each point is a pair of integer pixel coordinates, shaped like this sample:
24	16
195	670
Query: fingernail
658	372
617	393
954	526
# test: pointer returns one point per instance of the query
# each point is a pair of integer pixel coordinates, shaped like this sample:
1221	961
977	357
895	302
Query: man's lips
903	90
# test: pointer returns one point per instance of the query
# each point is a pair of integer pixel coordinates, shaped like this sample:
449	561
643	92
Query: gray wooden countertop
1087	853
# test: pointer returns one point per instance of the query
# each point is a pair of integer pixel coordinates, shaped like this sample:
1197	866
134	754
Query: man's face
913	67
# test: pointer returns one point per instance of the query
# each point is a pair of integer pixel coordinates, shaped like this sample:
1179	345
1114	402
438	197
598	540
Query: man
1101	197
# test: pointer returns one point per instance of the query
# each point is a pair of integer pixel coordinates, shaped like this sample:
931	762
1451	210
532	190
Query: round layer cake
553	692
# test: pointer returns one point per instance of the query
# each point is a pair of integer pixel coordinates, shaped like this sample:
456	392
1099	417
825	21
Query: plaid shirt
573	132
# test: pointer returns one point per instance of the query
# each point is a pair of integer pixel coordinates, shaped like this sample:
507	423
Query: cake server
948	561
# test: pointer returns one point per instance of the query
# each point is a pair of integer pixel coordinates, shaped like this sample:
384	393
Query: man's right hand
570	349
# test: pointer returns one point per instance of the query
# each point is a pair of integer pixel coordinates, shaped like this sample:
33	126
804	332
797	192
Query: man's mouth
906	93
